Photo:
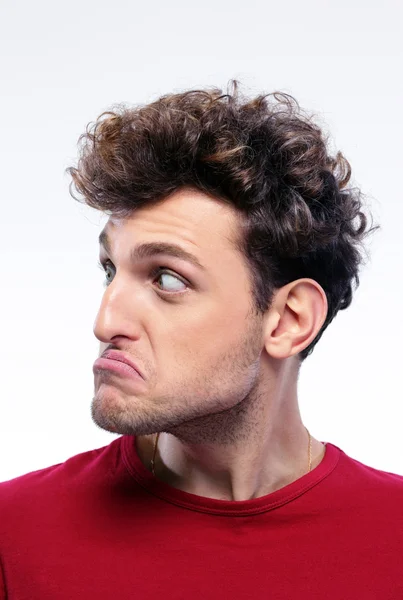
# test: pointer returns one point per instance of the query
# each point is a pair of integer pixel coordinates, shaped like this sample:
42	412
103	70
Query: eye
107	267
170	283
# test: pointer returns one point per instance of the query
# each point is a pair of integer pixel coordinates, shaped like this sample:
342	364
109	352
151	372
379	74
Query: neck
177	465
269	450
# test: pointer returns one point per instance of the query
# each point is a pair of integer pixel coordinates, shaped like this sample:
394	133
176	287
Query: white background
63	63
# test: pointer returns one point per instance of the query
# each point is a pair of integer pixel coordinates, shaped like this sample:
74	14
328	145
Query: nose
117	314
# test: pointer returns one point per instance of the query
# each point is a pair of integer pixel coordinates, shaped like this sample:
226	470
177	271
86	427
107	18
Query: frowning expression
178	303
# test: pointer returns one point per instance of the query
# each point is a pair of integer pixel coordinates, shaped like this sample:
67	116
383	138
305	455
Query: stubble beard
219	404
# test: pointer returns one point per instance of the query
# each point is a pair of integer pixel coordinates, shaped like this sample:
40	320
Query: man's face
190	329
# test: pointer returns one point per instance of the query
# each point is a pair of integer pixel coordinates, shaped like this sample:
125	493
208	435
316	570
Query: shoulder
374	484
56	479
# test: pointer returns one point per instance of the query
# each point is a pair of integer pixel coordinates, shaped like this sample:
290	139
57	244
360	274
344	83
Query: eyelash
102	264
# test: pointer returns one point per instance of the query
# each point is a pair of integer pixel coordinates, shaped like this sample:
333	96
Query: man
233	240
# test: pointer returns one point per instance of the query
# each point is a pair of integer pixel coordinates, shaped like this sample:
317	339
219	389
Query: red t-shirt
100	526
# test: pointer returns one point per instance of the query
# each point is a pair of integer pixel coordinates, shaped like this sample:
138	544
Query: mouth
116	361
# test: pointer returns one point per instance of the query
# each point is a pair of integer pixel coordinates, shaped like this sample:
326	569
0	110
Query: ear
295	317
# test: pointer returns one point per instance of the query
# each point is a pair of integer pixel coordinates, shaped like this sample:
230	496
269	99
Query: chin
107	411
111	413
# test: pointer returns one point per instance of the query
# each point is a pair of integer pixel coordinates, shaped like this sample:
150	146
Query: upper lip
117	355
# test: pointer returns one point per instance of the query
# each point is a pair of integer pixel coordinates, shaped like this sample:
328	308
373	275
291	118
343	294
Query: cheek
202	336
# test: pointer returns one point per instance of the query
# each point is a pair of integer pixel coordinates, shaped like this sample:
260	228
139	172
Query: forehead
188	217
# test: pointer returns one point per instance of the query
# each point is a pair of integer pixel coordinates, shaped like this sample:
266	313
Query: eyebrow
150	249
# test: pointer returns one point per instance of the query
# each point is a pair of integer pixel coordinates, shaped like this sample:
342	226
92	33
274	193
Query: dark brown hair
263	155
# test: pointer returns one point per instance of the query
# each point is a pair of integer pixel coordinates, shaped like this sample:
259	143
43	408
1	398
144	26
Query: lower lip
121	368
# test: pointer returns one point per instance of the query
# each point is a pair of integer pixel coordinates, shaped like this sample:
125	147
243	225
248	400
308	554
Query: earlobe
295	318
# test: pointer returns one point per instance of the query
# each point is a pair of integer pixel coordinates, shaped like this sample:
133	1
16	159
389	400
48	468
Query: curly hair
264	156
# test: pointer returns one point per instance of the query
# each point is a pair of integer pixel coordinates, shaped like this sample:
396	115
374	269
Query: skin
220	381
